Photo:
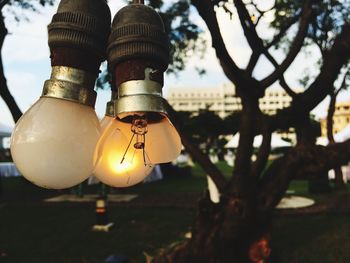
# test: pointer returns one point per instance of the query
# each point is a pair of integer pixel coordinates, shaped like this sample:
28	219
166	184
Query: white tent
5	131
5	134
341	136
276	141
322	141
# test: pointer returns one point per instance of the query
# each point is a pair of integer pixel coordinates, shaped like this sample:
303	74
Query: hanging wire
127	148
142	2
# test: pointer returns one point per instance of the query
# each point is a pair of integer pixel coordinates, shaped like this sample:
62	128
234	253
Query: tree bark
4	90
237	228
339	181
223	233
303	103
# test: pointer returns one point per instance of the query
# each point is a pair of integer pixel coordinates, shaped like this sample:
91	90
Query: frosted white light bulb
53	143
118	163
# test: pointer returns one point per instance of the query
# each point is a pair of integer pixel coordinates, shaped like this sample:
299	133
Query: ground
35	231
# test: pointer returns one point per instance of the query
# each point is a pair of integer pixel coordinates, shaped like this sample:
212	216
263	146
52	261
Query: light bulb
106	120
162	141
53	143
138	55
120	159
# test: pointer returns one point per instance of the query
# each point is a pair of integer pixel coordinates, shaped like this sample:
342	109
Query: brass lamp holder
138	55
70	84
110	105
78	36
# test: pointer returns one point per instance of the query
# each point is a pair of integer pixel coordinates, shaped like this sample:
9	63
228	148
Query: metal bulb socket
139	96
81	24
138	54
138	33
71	84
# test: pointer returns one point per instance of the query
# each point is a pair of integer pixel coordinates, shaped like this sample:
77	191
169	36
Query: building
223	100
341	118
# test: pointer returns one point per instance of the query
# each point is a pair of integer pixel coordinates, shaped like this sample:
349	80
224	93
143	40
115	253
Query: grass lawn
312	239
32	231
62	233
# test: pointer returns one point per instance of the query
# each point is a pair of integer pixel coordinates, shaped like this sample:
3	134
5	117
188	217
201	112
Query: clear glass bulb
53	143
106	120
162	141
120	161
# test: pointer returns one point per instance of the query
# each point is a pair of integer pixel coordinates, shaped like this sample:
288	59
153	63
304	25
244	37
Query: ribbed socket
80	30
138	33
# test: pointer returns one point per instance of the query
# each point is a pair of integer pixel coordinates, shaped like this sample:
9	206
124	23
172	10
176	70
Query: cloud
27	39
25	87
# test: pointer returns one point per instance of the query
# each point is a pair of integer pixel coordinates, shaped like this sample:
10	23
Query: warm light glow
106	120
114	165
119	168
53	143
118	160
163	143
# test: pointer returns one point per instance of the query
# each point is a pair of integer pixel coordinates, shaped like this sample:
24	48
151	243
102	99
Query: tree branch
247	132
320	88
283	31
331	108
307	162
3	3
197	155
254	41
205	9
256	44
295	47
330	114
283	82
4	90
264	151
252	62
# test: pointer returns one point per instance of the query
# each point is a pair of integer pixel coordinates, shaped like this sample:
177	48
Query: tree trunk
4	91
339	182
224	233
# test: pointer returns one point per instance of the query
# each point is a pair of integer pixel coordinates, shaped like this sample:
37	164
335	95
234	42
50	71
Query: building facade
223	99
341	118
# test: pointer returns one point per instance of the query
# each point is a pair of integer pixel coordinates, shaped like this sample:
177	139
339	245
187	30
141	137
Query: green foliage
207	129
328	18
185	38
231	122
286	11
31	5
15	6
104	80
315	127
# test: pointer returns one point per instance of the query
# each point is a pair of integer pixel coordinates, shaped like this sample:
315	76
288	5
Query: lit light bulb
105	122
53	143
120	159
141	134
109	115
162	141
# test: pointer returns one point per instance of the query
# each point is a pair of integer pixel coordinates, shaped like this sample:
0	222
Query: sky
27	65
